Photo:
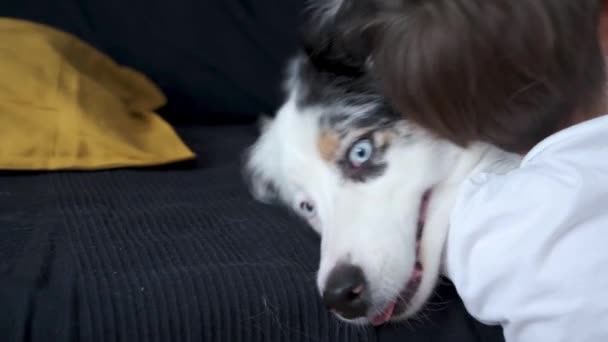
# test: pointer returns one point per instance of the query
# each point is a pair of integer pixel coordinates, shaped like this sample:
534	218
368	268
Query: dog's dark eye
307	208
360	152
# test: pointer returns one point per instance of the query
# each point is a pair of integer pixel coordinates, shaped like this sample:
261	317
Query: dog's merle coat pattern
367	213
333	71
334	65
355	102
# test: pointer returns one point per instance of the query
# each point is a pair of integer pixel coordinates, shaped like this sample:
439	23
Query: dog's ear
255	161
334	35
261	188
317	31
337	35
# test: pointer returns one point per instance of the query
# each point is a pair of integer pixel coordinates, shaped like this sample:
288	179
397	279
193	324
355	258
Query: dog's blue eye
360	152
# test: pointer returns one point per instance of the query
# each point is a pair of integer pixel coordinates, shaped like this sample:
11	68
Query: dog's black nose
346	292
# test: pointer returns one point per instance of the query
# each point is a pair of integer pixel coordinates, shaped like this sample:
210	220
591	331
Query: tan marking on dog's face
328	145
385	138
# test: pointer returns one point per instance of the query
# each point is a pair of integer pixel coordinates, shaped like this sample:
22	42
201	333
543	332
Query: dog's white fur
371	224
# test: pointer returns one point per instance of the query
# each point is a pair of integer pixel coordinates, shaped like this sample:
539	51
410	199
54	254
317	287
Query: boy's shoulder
580	143
565	162
567	170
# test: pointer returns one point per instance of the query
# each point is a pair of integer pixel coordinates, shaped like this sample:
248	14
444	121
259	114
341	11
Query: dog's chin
397	310
405	303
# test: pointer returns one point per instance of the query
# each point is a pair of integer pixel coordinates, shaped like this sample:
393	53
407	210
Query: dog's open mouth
400	304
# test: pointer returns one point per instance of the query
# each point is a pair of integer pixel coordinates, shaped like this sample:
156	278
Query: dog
377	188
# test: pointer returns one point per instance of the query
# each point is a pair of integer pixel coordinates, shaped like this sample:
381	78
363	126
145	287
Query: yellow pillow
65	105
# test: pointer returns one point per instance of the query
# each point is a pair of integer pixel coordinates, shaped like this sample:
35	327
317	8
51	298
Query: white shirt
529	249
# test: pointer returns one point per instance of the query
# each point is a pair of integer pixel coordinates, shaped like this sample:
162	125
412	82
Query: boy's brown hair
508	72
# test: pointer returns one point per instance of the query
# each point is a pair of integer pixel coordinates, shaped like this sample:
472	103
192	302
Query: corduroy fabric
173	254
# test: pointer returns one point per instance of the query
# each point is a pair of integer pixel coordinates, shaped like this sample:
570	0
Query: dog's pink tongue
385	316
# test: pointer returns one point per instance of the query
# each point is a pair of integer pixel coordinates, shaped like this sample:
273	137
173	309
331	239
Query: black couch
182	252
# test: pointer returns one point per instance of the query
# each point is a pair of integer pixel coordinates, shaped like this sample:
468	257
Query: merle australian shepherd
377	188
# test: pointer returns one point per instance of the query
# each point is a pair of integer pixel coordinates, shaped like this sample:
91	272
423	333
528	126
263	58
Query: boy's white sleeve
529	251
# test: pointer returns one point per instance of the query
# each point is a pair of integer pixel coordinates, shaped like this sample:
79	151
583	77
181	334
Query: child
526	250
